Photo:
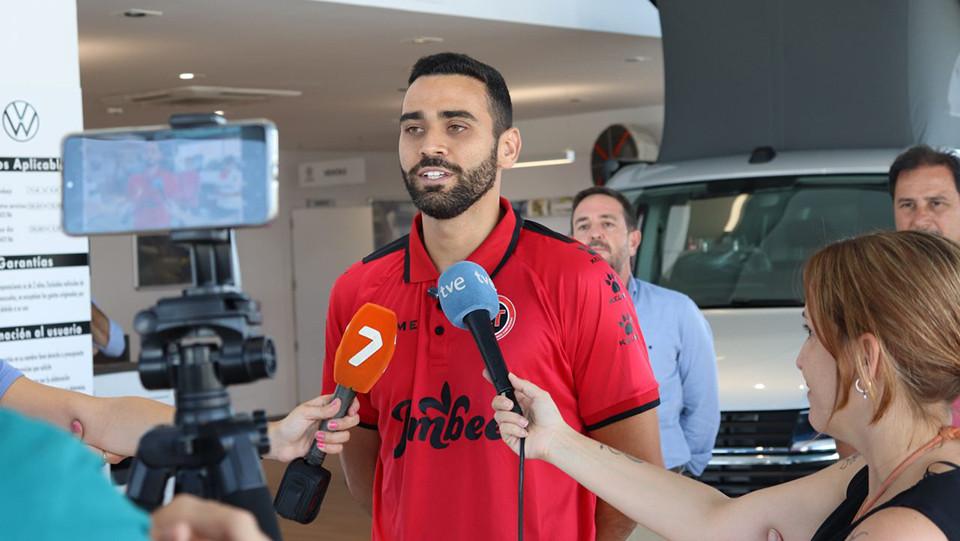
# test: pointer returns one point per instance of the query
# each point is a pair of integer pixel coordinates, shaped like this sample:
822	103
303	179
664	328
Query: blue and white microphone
469	300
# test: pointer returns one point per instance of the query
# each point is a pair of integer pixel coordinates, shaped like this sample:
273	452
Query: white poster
44	275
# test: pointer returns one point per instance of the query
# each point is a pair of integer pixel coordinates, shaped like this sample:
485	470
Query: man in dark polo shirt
425	459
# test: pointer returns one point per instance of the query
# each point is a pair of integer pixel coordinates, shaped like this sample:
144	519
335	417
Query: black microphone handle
478	322
346	395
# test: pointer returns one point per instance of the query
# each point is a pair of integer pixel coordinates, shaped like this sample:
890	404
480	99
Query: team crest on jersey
506	317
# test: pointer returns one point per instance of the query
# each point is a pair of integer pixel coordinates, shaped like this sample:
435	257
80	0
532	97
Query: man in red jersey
425	459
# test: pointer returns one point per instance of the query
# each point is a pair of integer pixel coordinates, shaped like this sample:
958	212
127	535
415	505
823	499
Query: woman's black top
936	496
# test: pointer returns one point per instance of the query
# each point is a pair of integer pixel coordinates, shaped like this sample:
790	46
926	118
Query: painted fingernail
332	425
320	445
75	426
320	435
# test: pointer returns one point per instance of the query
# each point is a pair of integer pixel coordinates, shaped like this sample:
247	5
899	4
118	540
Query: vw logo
20	121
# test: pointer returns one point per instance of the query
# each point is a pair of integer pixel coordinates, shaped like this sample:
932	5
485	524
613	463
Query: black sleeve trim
624	415
399	244
368	426
544	230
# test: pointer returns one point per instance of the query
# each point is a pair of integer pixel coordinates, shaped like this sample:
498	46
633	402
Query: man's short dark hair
629	215
924	156
501	108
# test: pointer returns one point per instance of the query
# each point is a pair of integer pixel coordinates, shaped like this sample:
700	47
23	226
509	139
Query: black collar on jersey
492	254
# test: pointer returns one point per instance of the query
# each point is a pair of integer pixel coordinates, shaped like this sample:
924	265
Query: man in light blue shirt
679	341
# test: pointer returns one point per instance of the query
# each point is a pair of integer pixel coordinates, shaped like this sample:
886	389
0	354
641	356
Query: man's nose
923	218
433	145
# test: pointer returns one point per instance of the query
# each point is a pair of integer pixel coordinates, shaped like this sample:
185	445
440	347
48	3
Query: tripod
197	344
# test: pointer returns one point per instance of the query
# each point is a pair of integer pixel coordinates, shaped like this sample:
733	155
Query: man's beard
469	188
613	257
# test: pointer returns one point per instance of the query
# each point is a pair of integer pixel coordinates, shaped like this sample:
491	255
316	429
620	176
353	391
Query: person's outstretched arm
115	425
667	503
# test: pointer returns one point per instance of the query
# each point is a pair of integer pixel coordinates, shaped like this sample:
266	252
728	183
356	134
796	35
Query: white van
734	236
781	120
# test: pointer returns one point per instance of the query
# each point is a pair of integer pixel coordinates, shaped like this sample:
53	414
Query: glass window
743	242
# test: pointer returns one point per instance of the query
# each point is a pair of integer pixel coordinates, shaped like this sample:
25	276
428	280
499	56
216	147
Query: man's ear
508	148
633	242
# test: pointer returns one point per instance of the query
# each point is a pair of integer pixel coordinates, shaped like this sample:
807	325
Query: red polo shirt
566	323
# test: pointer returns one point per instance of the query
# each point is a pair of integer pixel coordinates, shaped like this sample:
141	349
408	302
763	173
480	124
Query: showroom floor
341	519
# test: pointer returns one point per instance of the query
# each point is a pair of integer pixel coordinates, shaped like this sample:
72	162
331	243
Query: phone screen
159	180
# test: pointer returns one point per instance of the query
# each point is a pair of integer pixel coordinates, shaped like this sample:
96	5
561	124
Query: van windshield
743	242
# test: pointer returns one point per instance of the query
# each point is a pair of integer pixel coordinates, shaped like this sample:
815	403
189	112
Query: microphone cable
520	496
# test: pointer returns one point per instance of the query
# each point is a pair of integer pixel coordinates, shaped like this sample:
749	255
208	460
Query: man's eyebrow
416	115
457	114
600	217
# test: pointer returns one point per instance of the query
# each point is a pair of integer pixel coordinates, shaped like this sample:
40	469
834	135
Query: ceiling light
760	386
218	113
187	76
422	40
565	157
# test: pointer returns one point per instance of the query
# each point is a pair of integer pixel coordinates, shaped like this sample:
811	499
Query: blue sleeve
8	374
116	343
700	416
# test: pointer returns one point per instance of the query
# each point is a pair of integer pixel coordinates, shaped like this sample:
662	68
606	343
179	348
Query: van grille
753	451
756	429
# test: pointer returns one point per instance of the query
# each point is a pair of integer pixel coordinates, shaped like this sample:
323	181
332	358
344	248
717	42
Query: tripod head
208	338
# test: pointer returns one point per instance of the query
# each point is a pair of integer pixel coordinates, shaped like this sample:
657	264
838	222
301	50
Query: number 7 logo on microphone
366	347
376	342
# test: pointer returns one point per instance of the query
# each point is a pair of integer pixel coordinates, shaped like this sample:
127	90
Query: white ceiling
349	62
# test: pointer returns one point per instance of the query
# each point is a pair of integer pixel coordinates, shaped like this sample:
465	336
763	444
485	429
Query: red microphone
363	355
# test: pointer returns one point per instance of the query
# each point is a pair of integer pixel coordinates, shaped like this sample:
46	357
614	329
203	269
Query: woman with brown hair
882	365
